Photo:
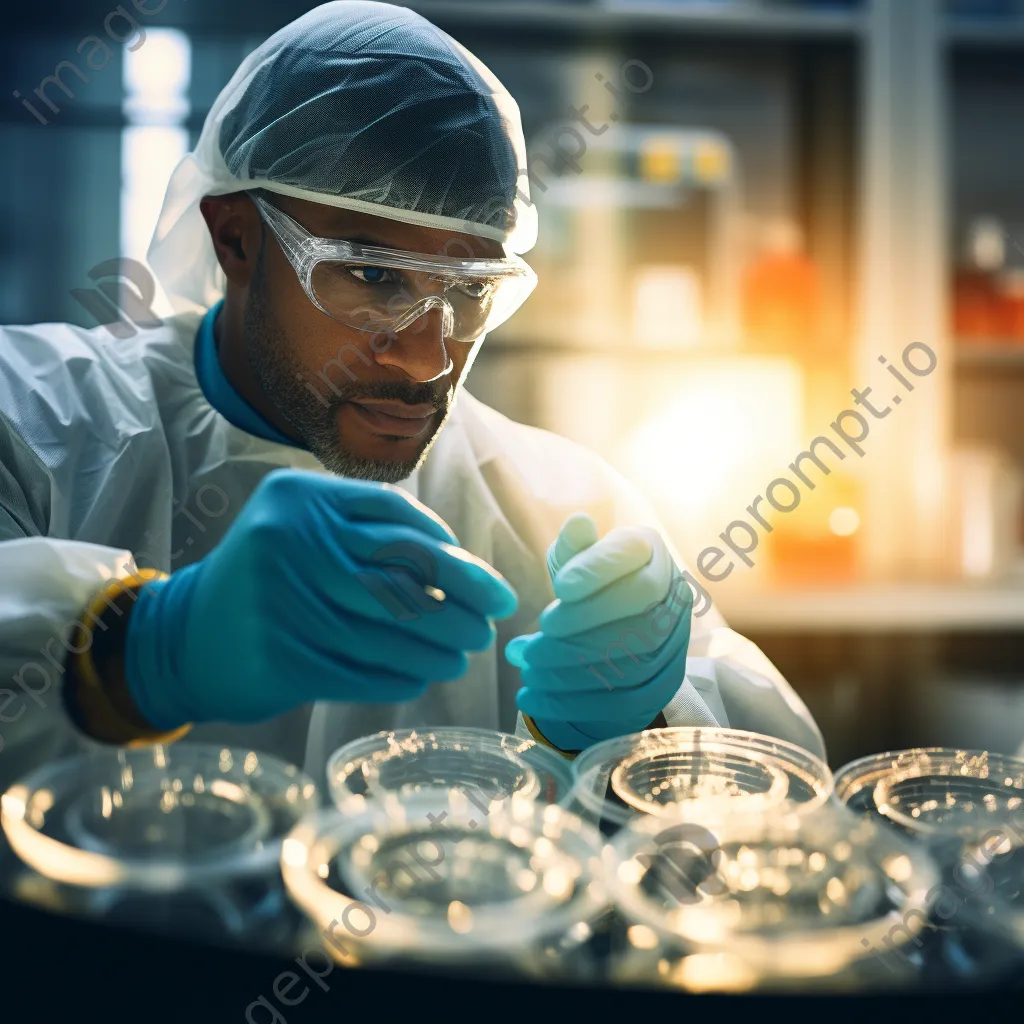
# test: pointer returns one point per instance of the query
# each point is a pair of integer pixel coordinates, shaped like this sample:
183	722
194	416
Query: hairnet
365	106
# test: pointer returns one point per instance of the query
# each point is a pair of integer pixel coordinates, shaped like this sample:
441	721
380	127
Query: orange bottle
780	301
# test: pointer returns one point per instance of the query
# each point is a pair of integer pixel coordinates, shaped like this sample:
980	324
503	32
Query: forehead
334	222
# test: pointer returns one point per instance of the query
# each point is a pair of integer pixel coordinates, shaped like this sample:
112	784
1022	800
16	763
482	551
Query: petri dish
771	900
992	871
486	766
159	818
936	792
442	883
697	773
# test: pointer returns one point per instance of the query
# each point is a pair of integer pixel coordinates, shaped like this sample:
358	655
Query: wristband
100	705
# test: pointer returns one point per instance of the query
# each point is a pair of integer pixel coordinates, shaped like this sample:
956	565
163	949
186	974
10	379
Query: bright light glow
667	307
156	81
843	521
717	435
157	76
642	937
978	487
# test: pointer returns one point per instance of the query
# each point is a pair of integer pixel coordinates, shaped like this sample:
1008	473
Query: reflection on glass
949	796
822	898
700	774
156	818
438	881
485	766
176	838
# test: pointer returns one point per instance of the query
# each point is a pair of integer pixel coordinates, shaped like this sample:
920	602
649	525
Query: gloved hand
611	651
297	604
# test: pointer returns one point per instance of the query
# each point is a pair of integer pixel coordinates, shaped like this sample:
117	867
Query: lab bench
62	965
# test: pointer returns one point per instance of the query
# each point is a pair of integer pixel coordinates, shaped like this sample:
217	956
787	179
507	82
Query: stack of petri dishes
185	839
966	807
448	846
684	782
777	900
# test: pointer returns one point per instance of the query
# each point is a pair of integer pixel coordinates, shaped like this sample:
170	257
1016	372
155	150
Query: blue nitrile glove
611	651
302	601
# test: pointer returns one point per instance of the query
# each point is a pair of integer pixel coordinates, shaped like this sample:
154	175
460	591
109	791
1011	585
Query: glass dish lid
430	880
695	773
791	895
486	766
936	791
160	818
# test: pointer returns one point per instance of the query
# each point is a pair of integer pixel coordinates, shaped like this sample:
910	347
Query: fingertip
580	529
509	599
578	533
515	651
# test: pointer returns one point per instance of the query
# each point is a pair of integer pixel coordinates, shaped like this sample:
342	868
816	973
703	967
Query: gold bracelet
531	725
105	712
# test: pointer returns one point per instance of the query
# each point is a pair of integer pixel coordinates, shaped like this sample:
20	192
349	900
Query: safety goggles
385	290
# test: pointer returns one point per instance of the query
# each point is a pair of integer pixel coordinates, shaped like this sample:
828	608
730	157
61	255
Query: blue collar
219	392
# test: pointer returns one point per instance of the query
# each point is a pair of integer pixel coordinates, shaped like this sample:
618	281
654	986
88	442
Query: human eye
475	289
373	275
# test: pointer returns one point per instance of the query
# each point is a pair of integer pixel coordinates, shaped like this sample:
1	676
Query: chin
381	466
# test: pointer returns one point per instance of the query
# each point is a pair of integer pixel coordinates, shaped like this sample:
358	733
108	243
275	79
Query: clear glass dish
159	818
936	791
993	872
487	767
771	900
440	882
695	773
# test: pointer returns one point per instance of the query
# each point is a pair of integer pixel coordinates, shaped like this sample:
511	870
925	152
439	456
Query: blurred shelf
1008	355
626	351
982	32
711	18
930	608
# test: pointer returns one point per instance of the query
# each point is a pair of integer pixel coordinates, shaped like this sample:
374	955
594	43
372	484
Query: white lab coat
109	450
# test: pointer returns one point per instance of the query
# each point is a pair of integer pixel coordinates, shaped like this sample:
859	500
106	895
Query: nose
418	350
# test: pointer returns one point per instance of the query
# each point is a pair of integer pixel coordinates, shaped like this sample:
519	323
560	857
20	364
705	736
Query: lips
397	419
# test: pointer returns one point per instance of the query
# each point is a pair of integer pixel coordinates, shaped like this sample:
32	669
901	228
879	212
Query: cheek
462	356
317	343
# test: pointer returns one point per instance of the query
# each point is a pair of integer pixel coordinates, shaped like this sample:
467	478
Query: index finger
619	553
385	503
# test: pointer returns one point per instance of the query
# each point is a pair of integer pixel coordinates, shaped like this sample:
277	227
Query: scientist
277	519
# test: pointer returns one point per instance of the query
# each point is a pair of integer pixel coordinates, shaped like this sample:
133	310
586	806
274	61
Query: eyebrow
369	240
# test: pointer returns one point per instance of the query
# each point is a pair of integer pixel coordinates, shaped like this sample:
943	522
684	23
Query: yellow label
659	161
710	162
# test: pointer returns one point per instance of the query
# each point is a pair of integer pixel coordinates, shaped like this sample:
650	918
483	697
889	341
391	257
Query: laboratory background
751	212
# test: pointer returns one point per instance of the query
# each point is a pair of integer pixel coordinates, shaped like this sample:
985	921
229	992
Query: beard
312	416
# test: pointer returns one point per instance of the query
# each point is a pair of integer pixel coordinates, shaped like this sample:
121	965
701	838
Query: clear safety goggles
385	290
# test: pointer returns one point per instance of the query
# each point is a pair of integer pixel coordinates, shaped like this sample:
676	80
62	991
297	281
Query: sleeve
45	586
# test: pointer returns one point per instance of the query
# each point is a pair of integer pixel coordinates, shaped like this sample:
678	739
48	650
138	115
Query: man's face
366	403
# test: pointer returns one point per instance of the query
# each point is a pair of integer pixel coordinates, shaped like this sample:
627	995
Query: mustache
437	395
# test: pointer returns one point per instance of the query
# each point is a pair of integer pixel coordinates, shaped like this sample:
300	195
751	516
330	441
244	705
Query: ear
236	230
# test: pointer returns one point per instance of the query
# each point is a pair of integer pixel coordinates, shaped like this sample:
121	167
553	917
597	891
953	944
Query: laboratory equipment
941	794
695	774
182	838
821	900
951	802
486	767
435	880
996	867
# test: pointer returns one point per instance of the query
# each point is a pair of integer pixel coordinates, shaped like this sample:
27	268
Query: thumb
577	534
